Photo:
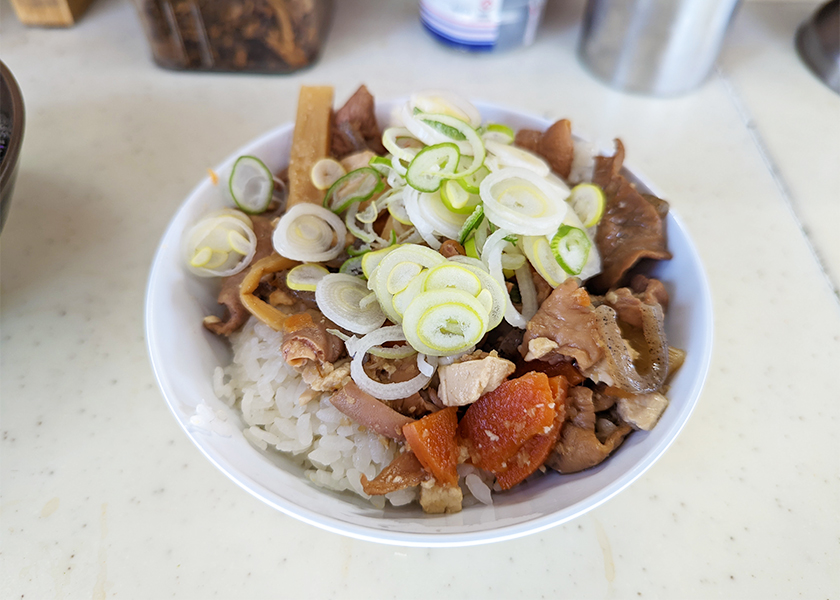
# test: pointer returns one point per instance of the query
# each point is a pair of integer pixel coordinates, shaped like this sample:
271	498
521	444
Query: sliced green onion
431	166
251	184
472	181
521	202
352	266
587	200
513	156
402	299
339	296
498	133
309	233
470	224
570	246
442	220
326	172
305	277
538	250
221	244
382	164
356	186
444	322
372	259
497	292
455	276
457	199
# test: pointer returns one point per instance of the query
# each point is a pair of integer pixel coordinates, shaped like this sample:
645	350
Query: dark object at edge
11	105
818	44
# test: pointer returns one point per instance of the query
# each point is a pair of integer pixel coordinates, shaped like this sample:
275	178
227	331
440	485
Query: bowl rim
424	539
9	86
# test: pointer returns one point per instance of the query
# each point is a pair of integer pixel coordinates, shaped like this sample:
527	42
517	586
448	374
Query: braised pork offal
633	226
466	325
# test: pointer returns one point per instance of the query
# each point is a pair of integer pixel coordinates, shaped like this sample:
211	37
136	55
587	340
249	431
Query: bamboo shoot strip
311	143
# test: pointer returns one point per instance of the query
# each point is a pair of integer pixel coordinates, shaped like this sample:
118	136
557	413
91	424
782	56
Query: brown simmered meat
632	227
627	302
580	408
306	340
556	145
450	248
235	312
355	127
580	449
369	412
579	446
404	471
564	326
396	371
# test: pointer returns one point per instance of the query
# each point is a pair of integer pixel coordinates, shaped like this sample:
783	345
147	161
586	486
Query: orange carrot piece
403	472
535	451
433	441
497	425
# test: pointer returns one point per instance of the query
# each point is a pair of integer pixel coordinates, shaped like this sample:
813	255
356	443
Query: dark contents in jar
274	36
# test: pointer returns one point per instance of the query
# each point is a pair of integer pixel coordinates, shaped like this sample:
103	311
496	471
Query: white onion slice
221	244
447	103
513	156
309	233
339	297
492	257
411	201
383	391
521	202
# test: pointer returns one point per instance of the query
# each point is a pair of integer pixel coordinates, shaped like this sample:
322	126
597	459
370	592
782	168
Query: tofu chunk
642	411
464	382
437	499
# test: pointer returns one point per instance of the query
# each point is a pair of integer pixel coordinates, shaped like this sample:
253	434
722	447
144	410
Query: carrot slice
497	425
535	451
433	441
403	472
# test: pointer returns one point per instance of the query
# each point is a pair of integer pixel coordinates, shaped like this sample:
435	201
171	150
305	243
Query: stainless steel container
659	47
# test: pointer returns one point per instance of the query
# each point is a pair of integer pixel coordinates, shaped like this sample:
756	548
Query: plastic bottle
482	25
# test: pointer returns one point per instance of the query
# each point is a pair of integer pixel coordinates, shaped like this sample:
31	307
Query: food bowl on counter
11	137
184	356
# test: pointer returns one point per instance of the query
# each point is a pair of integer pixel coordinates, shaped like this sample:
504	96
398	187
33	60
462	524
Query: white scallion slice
497	291
457	199
512	156
587	200
251	184
449	275
442	220
444	322
538	250
447	103
326	172
309	233
305	277
220	244
339	297
521	202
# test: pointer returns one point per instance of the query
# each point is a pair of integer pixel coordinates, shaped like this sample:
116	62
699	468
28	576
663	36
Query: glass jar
261	36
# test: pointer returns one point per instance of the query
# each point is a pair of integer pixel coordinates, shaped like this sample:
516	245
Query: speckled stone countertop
102	494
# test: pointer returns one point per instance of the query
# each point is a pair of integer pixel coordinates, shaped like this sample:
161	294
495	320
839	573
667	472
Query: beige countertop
104	496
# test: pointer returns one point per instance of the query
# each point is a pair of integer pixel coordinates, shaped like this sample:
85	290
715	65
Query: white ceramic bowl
184	355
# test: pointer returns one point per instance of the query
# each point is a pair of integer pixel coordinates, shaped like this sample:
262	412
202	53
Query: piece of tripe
311	142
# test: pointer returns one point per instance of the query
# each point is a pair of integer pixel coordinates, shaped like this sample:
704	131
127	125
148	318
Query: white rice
333	450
